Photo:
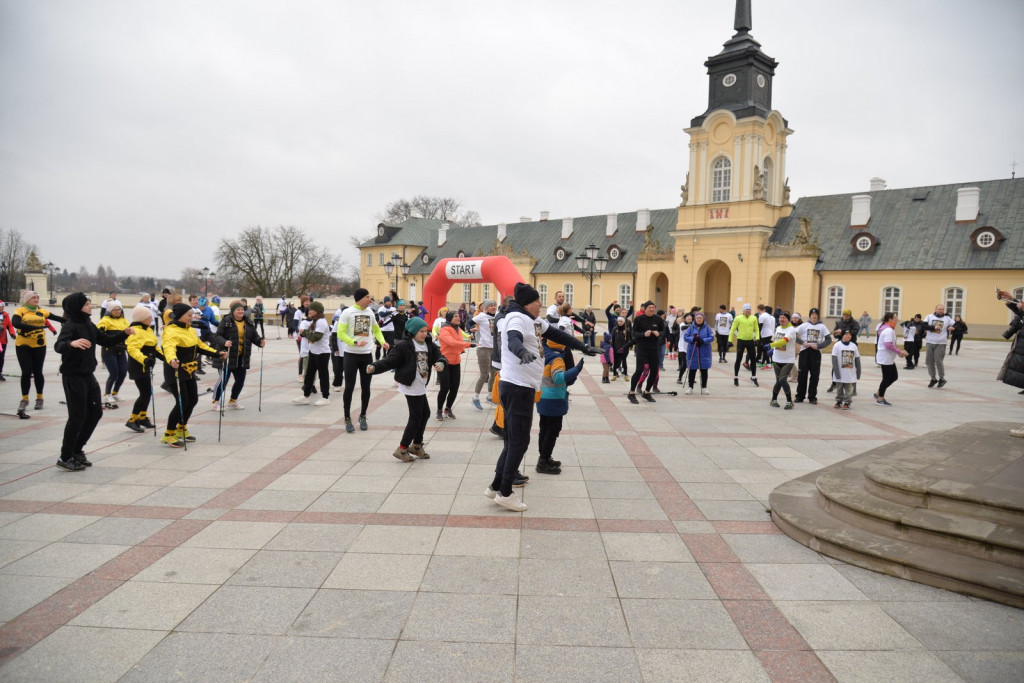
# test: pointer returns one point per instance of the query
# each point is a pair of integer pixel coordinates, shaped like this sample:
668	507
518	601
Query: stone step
843	494
797	510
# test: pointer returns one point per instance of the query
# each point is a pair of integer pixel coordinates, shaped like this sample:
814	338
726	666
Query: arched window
768	179
543	291
625	294
721	180
836	298
567	290
954	300
892	300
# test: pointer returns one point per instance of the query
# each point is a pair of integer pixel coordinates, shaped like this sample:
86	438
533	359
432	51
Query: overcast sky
136	133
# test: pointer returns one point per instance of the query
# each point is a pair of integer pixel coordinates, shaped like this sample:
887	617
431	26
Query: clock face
729	80
380	231
760	80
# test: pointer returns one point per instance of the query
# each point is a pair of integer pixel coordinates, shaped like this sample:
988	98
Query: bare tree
14	251
281	260
423	206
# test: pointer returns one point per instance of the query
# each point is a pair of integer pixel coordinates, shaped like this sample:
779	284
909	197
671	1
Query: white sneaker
300	401
107	399
490	493
705	392
688	392
114	398
235	405
1019	433
510	502
215	405
323	402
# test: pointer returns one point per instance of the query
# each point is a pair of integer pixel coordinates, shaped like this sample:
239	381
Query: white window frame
721	179
380	259
567	289
834	294
982	234
625	295
886	298
485	292
863	243
467	292
412	292
768	167
543	291
951	304
369	258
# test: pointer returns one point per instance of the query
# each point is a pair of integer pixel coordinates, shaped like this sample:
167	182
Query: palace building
736	237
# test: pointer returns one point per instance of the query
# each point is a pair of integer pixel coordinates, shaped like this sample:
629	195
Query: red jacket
6	327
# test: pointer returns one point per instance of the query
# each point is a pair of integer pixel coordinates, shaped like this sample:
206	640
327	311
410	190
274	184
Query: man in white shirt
766	323
814	337
522	369
552	312
385	313
937	327
723	324
484	349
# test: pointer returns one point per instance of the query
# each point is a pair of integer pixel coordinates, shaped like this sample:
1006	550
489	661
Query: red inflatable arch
497	270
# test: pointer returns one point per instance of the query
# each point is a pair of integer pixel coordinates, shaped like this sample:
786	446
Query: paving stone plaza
291	550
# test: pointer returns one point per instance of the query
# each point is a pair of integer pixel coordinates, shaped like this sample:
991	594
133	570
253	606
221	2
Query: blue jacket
554	396
702	359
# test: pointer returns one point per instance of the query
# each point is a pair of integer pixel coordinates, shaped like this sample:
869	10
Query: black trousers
3	352
117	370
750	347
355	364
955	339
782	371
338	368
763	351
682	363
82	395
889	376
317	364
186	396
419	414
809	363
389	338
723	344
703	377
620	358
550	428
517	403
450	379
236	388
913	353
31	358
258	322
649	358
145	386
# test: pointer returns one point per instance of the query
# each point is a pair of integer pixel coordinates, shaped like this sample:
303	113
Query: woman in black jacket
76	344
412	359
238	336
957	333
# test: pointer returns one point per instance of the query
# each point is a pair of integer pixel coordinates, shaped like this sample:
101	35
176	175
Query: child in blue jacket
553	404
607	357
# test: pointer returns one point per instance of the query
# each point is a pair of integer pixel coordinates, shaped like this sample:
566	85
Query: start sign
468	269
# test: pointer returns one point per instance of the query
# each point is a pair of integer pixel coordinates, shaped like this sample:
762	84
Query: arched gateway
497	270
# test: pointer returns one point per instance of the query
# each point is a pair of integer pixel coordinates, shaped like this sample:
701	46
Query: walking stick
181	407
223	395
259	408
152	397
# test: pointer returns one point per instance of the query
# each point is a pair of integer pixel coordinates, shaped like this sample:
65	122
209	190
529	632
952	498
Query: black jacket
622	337
402	359
227	331
77	325
643	323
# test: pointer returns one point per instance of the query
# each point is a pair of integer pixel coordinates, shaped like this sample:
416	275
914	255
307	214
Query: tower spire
743	23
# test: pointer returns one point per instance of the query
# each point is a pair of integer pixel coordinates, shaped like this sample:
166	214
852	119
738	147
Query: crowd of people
395	336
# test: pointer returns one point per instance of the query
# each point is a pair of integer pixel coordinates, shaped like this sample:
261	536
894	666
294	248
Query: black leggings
703	377
782	371
117	369
955	339
31	358
450	379
517	402
750	346
319	363
889	376
355	364
620	363
183	386
258	322
145	387
3	352
682	364
649	358
723	344
82	396
419	413
236	388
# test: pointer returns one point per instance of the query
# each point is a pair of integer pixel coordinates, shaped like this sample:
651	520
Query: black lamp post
591	266
3	281
49	278
395	265
206	281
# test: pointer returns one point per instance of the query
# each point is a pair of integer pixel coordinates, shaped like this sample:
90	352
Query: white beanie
141	313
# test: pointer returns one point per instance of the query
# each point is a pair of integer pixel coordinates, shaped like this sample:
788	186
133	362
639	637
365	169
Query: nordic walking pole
260	406
223	395
152	397
181	406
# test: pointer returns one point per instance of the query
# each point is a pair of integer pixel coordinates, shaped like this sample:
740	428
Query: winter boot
547	466
417	450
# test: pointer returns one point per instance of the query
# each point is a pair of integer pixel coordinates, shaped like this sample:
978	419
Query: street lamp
395	265
591	266
3	281
49	276
206	281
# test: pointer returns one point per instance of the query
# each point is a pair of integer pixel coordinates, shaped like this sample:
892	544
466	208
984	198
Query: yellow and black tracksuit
114	357
142	354
181	343
30	346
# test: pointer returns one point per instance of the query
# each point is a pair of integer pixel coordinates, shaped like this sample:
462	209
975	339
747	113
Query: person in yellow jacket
31	321
182	349
746	333
143	351
115	357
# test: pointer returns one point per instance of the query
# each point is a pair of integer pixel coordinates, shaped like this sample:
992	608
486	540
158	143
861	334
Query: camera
1015	327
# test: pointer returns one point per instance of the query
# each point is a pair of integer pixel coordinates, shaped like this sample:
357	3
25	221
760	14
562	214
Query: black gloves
525	357
589	350
697	341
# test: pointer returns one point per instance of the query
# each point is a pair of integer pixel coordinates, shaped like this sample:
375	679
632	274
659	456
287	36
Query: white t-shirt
282	306
943	324
814	333
884	356
419	380
847	355
485	340
766	322
723	323
787	353
386	313
512	370
909	332
359	323
303	342
324	343
552	311
298	317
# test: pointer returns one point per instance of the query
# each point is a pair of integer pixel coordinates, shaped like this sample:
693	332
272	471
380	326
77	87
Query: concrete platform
292	550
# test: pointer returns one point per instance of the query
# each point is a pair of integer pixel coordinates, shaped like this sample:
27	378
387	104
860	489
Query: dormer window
986	238
864	243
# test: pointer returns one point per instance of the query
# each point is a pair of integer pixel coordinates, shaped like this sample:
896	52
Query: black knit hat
360	294
178	310
525	294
